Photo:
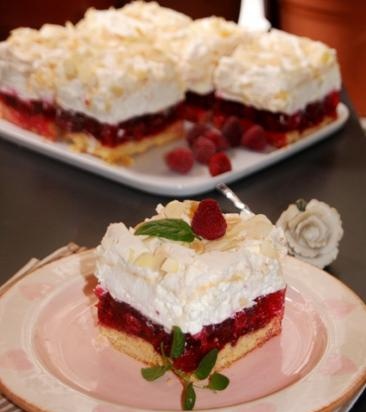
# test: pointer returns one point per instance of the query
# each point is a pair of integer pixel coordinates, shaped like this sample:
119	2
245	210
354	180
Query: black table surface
45	204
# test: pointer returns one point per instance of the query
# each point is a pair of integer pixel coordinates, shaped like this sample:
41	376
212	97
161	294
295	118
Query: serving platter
150	173
53	359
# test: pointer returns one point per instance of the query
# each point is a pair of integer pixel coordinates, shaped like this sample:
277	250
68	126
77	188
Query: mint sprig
173	229
154	372
216	381
178	343
188	397
206	364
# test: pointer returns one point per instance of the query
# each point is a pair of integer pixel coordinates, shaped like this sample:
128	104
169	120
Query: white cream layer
107	79
25	51
278	72
154	18
118	83
192	285
197	49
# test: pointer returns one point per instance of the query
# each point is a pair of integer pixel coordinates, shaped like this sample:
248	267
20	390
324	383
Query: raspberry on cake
289	85
109	98
225	294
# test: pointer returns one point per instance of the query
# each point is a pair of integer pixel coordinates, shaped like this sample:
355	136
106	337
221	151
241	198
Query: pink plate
52	358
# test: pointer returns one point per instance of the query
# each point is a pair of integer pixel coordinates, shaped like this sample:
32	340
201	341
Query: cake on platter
124	80
217	277
287	84
110	98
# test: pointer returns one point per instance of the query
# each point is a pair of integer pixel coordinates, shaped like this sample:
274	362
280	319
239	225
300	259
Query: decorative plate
53	359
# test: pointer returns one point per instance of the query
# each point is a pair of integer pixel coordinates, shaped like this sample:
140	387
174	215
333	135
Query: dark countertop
45	204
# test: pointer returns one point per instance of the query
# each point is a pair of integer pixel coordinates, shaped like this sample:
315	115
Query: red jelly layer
109	135
123	317
313	114
200	108
197	108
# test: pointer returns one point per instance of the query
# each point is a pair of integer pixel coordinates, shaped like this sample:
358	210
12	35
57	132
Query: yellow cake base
122	154
143	351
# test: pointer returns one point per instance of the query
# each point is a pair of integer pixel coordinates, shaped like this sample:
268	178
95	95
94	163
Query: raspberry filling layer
277	124
197	108
123	317
31	113
200	108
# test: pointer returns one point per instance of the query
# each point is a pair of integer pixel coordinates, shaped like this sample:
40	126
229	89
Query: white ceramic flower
313	231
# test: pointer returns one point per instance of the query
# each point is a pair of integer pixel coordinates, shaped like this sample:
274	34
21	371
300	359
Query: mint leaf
301	204
218	382
153	373
173	229
206	364
188	397
178	343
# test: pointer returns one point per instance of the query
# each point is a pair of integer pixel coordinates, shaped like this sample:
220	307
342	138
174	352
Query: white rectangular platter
149	172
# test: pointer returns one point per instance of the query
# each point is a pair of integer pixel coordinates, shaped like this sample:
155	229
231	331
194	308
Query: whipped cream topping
155	18
116	83
278	72
106	24
192	284
197	49
25	51
111	81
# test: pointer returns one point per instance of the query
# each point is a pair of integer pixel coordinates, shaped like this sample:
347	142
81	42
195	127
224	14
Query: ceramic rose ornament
313	231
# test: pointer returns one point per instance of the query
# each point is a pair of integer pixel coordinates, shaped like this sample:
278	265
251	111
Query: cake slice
287	84
109	98
225	293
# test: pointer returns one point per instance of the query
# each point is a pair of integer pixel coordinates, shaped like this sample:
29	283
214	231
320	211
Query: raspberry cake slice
110	98
222	287
287	84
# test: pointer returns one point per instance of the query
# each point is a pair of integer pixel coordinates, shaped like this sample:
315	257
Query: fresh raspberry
219	163
233	131
217	138
195	132
203	149
254	138
208	220
180	160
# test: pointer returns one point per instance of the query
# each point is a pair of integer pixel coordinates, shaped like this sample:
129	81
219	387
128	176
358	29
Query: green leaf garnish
301	204
206	364
188	397
178	343
218	382
173	229
153	373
